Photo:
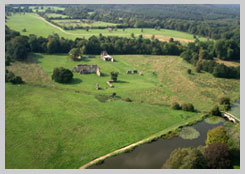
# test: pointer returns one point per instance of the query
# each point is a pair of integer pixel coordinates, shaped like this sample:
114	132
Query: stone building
87	69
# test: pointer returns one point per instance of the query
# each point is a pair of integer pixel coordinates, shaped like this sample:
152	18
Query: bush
17	80
215	111
187	107
189	71
175	106
185	158
62	75
218	134
10	77
114	76
224	100
217	156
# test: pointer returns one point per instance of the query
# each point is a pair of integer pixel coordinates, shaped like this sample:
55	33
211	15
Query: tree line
200	54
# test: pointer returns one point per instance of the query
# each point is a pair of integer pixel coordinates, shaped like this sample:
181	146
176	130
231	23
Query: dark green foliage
62	75
188	107
114	76
24	30
218	134
189	71
224	100
18	48
185	158
175	106
74	53
217	156
10	77
215	111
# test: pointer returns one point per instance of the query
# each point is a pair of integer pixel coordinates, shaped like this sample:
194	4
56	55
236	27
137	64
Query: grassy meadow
35	25
52	125
164	80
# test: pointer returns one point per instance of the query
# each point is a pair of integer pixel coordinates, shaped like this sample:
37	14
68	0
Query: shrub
224	100
188	107
217	156
185	158
189	71
175	106
17	80
114	76
62	75
218	134
215	111
10	77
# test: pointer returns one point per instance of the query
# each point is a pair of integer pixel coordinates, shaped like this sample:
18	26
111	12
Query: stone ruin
133	72
87	69
106	57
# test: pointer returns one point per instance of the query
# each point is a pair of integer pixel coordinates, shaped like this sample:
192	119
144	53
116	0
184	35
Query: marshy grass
214	120
189	133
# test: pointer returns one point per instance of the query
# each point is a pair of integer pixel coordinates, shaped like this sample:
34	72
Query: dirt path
62	30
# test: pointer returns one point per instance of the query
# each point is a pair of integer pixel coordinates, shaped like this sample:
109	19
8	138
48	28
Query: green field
42	9
77	22
55	15
34	25
51	125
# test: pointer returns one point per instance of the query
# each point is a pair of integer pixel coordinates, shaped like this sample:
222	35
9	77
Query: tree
224	100
218	134
189	71
175	106
114	76
62	75
185	158
10	77
217	156
74	53
215	111
187	107
53	45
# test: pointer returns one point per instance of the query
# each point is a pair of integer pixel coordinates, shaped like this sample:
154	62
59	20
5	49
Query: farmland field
55	15
76	22
51	125
35	25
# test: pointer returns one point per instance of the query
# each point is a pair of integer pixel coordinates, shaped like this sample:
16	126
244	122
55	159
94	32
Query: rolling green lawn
34	25
51	125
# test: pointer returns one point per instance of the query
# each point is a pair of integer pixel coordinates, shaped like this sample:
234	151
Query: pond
153	155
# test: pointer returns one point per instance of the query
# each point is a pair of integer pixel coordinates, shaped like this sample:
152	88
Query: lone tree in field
62	75
185	158
74	53
114	76
218	134
217	156
225	101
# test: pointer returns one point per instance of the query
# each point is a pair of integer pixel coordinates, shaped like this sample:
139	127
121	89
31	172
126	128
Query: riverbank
146	140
